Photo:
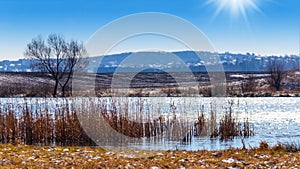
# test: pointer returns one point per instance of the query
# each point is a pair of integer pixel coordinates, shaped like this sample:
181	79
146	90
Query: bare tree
276	70
57	57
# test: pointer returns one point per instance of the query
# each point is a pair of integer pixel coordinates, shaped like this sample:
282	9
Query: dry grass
20	156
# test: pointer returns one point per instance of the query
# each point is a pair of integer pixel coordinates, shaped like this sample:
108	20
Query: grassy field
144	84
21	156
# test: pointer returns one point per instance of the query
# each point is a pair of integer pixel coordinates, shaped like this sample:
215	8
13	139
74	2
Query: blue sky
274	28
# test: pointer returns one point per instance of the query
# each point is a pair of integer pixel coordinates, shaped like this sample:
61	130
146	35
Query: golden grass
21	156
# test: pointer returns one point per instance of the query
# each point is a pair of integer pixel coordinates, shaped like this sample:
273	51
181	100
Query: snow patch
297	73
237	76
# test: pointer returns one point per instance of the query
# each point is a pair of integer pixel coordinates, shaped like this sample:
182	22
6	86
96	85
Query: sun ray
235	7
255	7
220	8
244	14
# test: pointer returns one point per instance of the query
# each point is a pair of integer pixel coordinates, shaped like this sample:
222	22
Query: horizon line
174	51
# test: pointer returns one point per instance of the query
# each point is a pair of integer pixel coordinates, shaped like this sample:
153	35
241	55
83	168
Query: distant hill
231	62
21	65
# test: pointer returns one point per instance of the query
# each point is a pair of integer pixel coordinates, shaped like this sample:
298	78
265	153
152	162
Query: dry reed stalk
40	123
199	125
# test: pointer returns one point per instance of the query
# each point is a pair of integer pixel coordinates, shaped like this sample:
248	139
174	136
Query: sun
235	7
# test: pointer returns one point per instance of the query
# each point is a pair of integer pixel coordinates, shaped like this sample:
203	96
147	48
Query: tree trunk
64	86
278	86
63	91
55	88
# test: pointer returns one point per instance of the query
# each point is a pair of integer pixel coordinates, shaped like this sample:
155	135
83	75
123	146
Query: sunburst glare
235	7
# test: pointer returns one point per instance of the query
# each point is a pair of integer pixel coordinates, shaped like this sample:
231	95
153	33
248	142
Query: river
273	119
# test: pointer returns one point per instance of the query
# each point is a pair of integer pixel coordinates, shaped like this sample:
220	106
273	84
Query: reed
34	123
291	146
59	121
227	128
199	125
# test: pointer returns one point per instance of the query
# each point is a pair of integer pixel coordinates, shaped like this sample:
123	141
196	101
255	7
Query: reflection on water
273	119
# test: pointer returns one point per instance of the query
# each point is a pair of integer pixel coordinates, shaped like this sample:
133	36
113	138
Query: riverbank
22	156
149	84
